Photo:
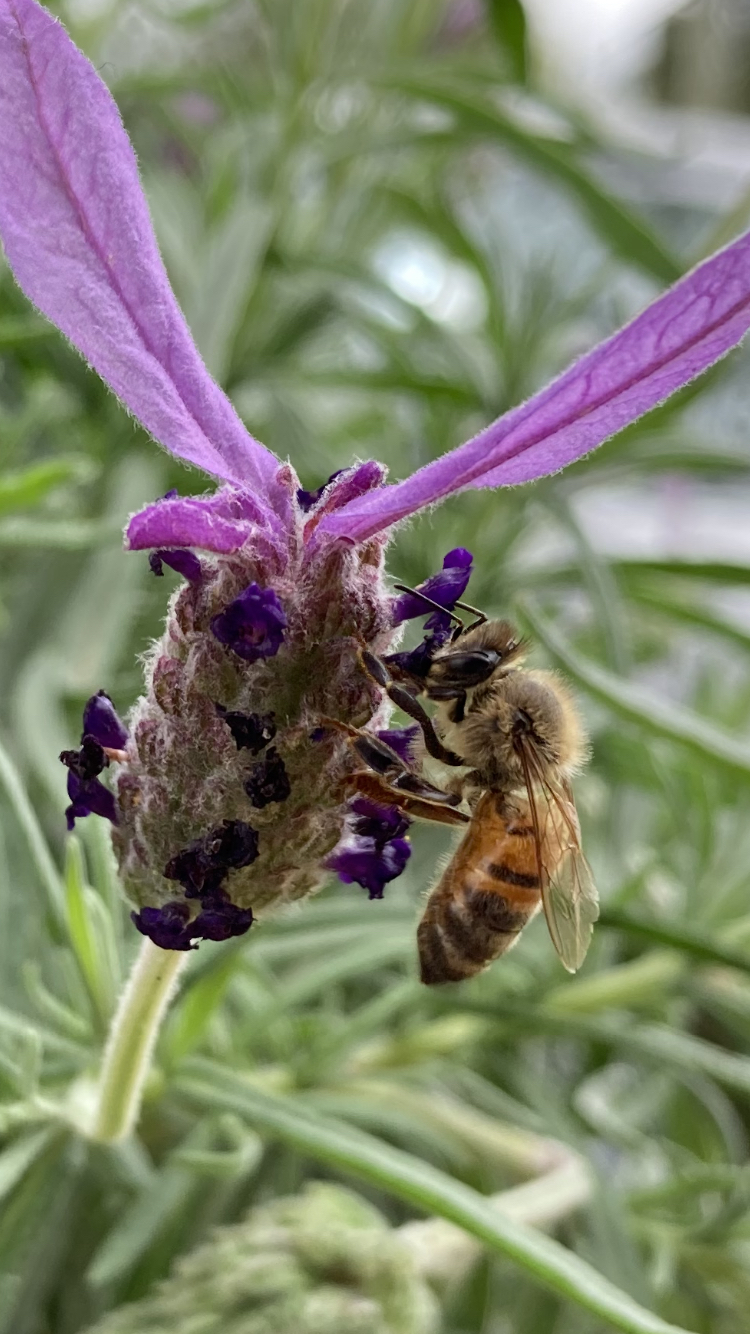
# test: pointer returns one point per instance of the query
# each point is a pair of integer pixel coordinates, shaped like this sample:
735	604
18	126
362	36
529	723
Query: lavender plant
223	804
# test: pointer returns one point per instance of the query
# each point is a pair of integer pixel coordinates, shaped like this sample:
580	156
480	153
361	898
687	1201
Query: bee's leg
375	753
424	803
404	699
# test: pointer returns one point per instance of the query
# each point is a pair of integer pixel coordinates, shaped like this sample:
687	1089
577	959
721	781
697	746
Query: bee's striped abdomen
487	894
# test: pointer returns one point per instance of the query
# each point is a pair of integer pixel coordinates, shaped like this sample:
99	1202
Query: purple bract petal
78	236
101	721
185	563
446	588
343	487
252	625
307	500
213	523
686	330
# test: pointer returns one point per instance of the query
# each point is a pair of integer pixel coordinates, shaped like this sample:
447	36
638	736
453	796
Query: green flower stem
127	1056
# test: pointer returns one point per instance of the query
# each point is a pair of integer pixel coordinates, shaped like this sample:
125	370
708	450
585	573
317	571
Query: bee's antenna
415	592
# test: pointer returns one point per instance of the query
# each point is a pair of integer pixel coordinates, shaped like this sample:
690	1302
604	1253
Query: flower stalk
132	1037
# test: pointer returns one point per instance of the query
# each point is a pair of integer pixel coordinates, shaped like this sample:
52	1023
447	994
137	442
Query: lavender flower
375	851
102	730
185	563
77	234
252	625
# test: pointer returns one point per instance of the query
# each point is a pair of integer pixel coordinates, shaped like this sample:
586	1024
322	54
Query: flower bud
324	1262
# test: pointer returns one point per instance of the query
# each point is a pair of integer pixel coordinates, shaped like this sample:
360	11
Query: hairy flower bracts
282	584
225	806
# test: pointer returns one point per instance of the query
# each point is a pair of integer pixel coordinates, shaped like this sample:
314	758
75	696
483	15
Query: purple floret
251	731
220	920
202	866
185	563
101	721
379	822
364	862
89	797
101	727
446	588
167	926
253	625
400	739
268	781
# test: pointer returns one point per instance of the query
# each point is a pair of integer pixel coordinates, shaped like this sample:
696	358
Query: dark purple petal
167	926
220	920
89	798
78	236
101	721
381	823
363	862
185	563
401	739
86	763
683	332
268	781
211	523
447	588
202	866
308	499
251	731
252	625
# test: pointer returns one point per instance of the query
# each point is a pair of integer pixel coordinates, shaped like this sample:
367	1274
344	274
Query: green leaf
425	1187
622	231
29	486
10	781
658	716
679	937
82	932
508	23
18	1157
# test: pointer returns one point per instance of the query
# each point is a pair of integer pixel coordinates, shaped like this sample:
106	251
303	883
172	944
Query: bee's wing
569	896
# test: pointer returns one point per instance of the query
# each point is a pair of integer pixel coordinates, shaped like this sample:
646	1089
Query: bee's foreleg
406	700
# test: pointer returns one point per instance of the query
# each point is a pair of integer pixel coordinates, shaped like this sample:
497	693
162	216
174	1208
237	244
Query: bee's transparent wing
569	896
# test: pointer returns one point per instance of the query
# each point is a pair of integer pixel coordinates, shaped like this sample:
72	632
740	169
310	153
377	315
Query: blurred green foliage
382	238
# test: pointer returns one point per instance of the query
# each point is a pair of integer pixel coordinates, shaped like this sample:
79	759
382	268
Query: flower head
266	563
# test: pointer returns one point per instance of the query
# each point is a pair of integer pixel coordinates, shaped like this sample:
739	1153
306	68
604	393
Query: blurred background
387	222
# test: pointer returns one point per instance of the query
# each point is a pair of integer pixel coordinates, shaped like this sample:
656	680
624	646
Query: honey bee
517	738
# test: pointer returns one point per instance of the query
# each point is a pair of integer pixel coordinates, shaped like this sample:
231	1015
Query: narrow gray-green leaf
427	1188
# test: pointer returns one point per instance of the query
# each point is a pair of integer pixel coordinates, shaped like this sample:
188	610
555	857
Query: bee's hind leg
408	702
